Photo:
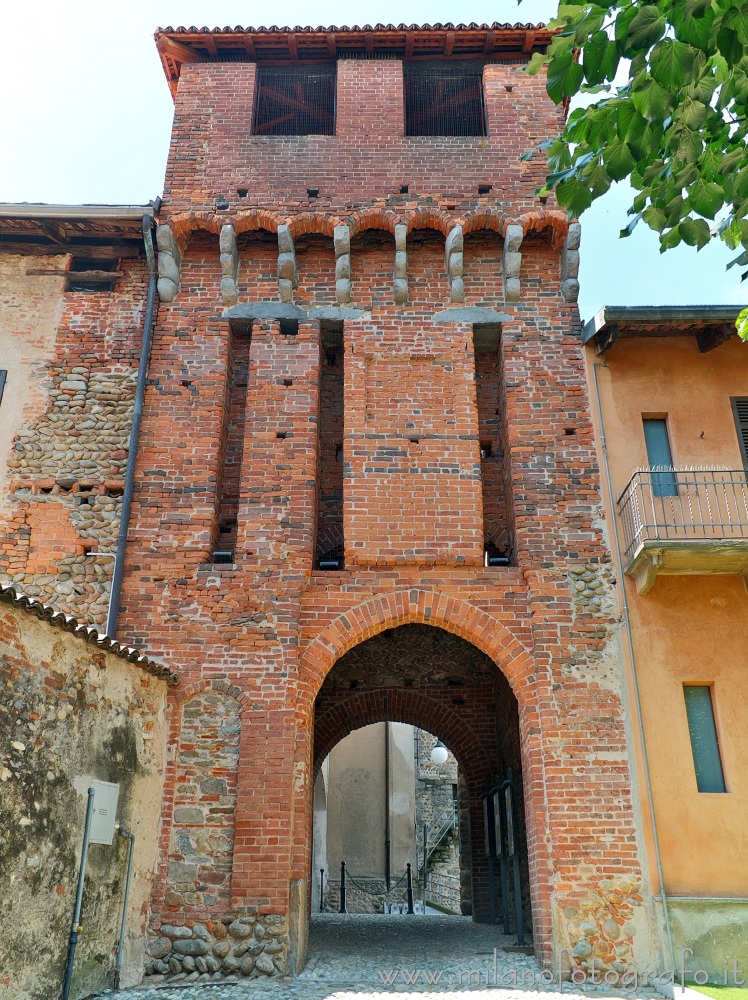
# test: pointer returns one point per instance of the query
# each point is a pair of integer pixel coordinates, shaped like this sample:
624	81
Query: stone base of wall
714	931
234	946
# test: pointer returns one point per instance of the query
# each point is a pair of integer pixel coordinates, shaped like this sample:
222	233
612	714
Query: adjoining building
352	465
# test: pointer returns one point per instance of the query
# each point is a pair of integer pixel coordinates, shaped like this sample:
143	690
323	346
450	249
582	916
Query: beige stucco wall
687	629
30	310
70	713
356	801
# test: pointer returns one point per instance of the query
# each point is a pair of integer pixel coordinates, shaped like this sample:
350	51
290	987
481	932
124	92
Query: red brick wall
214	153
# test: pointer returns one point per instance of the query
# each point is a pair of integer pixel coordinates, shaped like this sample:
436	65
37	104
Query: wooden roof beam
489	43
178	52
449	43
249	47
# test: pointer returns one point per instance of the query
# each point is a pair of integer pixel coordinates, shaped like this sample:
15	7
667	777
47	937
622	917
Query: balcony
684	522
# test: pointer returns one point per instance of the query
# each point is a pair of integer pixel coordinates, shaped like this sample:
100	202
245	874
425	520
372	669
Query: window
91	275
444	99
3	377
659	456
295	100
704	743
740	410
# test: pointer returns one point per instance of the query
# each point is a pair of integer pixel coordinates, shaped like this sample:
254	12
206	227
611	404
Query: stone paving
367	957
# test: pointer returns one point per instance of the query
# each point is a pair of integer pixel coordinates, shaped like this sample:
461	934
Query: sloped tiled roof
286	44
89	633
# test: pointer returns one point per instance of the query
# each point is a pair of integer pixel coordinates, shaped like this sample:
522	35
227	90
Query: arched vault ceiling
414	656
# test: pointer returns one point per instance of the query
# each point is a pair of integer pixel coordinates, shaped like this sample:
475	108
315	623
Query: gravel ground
366	957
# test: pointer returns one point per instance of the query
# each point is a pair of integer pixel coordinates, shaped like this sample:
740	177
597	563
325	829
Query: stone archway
432	678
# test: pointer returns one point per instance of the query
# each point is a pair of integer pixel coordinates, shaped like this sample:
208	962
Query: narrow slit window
704	742
3	377
660	458
330	548
444	99
295	100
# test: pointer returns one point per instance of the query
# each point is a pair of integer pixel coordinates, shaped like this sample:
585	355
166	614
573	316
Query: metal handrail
444	889
445	822
664	504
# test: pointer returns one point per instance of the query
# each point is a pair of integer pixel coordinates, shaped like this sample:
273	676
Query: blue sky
85	116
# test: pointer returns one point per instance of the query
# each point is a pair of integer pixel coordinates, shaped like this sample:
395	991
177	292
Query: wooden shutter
740	409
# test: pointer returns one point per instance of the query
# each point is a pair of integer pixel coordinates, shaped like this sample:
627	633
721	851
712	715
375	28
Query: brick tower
366	485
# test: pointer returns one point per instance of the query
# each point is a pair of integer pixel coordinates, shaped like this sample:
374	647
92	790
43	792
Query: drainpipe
76	927
145	351
387	846
126	835
632	657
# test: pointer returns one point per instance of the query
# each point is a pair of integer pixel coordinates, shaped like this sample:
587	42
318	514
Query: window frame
303	70
416	68
714	735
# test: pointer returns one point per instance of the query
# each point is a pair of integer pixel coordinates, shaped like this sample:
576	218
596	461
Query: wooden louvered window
443	99
295	100
740	409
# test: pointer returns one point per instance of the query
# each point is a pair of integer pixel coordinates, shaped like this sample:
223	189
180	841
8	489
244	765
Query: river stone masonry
247	946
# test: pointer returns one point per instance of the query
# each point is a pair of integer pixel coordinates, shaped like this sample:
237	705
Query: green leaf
646	28
597	179
628	230
654	217
618	160
706	198
564	77
729	44
694	114
669	240
694	232
672	63
600	58
536	63
695	29
741	324
574	196
696	8
653	101
736	18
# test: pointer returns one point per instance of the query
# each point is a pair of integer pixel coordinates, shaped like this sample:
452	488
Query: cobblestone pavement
367	957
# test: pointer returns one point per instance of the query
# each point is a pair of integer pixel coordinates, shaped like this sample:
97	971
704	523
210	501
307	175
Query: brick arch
487	218
373	218
246	222
312	222
430	218
185	223
181	695
412	707
543	218
422	607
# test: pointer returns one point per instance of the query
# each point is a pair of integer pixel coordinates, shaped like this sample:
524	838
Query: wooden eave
35	234
283	46
709	325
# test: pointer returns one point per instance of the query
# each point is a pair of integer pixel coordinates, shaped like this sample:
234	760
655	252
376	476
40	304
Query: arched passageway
427	677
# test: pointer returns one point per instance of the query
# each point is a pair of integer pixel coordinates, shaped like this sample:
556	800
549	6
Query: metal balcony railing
690	505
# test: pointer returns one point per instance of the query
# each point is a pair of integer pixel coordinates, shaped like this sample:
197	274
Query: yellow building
669	398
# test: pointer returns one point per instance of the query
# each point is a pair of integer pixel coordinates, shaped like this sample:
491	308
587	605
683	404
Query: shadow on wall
70	714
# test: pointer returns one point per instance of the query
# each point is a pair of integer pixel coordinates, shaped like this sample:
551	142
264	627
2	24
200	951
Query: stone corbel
645	573
570	263
453	262
229	265
400	283
512	263
342	241
288	271
169	264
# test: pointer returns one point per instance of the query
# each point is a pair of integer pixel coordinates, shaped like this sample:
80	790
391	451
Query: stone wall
64	431
71	712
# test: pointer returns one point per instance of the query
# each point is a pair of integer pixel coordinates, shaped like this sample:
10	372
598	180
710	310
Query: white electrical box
104	816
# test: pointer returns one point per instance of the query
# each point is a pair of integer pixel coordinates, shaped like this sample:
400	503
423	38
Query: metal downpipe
123	923
632	657
145	352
